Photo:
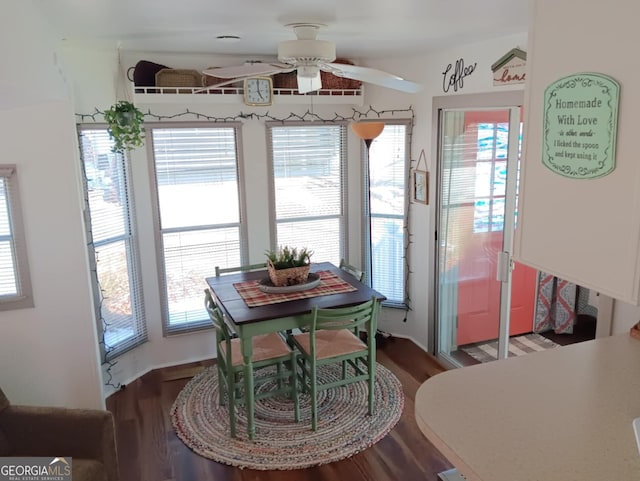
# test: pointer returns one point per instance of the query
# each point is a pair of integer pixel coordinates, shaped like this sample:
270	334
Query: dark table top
238	311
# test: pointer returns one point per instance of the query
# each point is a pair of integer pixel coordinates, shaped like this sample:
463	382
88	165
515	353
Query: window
15	284
308	187
198	215
389	172
113	249
491	174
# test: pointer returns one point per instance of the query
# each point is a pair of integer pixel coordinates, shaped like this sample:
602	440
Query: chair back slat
216	316
354	271
244	268
345	317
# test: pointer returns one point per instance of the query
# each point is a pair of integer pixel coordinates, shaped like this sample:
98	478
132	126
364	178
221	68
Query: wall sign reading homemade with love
580	123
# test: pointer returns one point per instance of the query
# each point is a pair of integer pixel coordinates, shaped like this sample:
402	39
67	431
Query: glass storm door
480	296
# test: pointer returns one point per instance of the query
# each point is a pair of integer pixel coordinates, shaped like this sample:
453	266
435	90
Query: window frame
344	190
367	260
23	299
205	322
132	249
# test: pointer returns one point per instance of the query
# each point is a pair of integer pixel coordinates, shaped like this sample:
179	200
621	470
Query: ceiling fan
308	56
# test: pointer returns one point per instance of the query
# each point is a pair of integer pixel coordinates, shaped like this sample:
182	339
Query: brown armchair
85	435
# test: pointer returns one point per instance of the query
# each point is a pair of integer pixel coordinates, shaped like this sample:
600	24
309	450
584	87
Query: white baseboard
400	336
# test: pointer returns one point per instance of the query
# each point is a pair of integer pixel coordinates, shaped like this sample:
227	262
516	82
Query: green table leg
247	354
246	332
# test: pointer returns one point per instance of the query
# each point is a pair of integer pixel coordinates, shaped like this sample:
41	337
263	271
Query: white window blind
308	168
15	283
113	245
389	162
199	214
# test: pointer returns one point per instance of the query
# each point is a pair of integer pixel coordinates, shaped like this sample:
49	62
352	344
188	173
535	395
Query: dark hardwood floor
583	330
148	449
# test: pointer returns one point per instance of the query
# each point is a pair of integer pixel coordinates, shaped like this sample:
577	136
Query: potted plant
288	266
125	126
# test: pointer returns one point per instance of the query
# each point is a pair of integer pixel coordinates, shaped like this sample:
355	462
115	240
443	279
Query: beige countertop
560	415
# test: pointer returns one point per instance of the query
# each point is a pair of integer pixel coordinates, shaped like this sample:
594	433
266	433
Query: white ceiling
360	28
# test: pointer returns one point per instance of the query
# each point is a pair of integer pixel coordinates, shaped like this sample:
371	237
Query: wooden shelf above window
234	95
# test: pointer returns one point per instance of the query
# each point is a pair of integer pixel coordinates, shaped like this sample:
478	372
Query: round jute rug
344	426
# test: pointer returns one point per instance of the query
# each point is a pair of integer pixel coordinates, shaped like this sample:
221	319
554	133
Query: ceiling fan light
308	71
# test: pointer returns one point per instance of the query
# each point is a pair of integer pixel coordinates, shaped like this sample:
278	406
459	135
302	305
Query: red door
478	232
479	292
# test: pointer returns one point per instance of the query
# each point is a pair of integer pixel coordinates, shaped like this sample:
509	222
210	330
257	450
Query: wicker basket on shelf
171	77
287	277
208	80
286	81
289	80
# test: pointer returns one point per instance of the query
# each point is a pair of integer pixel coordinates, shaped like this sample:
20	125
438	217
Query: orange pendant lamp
368	131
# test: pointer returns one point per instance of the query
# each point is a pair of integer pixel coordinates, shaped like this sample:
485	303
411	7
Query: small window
113	247
15	284
388	167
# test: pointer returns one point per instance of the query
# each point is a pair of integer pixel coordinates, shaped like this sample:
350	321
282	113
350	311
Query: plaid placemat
329	284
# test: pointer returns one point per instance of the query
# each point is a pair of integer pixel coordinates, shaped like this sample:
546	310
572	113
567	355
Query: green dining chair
269	351
333	338
244	268
354	271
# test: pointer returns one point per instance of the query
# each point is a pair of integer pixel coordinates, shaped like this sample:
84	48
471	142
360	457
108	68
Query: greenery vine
286	257
125	126
308	116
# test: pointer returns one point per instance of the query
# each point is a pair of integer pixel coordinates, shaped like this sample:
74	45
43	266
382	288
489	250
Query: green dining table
279	315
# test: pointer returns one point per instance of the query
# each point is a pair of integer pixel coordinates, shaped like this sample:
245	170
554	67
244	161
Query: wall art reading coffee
580	123
454	76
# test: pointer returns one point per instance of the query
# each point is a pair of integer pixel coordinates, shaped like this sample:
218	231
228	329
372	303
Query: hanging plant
125	126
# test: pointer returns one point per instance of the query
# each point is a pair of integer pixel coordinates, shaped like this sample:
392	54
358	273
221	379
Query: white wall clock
258	91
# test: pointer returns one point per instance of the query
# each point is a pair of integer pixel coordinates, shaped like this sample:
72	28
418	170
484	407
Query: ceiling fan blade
372	76
308	84
248	70
217	85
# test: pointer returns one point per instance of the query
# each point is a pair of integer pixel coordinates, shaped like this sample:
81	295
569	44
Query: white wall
48	353
31	72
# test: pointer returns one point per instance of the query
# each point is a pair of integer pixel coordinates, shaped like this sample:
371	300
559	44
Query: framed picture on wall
421	186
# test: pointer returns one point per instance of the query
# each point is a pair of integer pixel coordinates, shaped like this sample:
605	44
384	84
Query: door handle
505	266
